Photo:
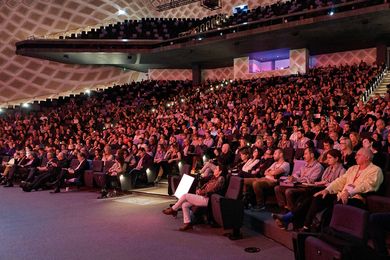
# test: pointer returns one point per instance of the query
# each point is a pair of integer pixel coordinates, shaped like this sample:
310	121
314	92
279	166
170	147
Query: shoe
55	191
27	189
170	211
157	180
279	221
186	226
258	208
102	197
246	200
9	184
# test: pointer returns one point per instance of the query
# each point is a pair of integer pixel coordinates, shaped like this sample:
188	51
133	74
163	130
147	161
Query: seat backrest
184	168
74	163
350	220
44	161
299	153
97	165
288	154
234	190
298	164
385	186
108	164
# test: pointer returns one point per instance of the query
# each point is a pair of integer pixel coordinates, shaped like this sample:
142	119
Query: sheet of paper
184	185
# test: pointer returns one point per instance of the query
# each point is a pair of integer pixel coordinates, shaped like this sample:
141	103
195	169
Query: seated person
298	212
7	167
200	199
112	175
158	161
22	168
248	163
278	168
224	157
350	188
77	173
309	173
48	172
145	161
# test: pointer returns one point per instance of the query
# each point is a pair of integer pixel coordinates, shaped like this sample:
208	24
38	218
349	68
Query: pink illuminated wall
170	74
346	57
218	74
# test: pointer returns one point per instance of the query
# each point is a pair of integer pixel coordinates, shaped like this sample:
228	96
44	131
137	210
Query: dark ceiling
357	29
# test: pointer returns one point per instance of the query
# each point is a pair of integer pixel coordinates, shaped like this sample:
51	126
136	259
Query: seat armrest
299	243
377	203
215	196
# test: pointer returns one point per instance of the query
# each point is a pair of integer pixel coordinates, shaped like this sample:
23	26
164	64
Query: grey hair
367	152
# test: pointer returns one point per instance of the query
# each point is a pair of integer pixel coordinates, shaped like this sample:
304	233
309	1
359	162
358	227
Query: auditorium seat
298	164
100	177
228	210
380	201
97	166
345	236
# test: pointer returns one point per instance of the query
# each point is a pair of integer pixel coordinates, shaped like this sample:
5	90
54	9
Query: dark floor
75	225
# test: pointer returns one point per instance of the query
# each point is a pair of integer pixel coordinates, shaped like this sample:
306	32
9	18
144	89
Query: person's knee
186	205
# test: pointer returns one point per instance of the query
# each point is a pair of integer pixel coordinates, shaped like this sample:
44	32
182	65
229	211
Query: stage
75	225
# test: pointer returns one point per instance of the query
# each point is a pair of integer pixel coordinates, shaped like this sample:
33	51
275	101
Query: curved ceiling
24	79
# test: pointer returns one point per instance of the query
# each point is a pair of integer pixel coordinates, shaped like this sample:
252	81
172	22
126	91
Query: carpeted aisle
75	225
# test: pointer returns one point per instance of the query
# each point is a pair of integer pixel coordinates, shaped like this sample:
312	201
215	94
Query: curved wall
24	79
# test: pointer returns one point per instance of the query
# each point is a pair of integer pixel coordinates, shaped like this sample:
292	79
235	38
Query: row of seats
167	28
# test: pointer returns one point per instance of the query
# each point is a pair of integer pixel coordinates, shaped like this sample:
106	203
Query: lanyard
356	176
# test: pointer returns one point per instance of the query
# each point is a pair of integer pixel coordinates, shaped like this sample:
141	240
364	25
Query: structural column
381	54
196	74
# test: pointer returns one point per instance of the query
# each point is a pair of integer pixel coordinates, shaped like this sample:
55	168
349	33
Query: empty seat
96	166
346	236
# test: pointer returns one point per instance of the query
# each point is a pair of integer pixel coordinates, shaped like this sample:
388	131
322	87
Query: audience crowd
259	129
265	15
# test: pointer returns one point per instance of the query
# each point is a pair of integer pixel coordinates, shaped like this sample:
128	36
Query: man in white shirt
349	188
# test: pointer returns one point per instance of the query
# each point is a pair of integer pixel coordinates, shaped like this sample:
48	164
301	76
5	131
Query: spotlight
200	38
331	13
221	34
121	12
88	92
26	105
153	110
182	100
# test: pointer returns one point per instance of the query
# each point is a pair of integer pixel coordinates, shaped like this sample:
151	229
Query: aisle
75	225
